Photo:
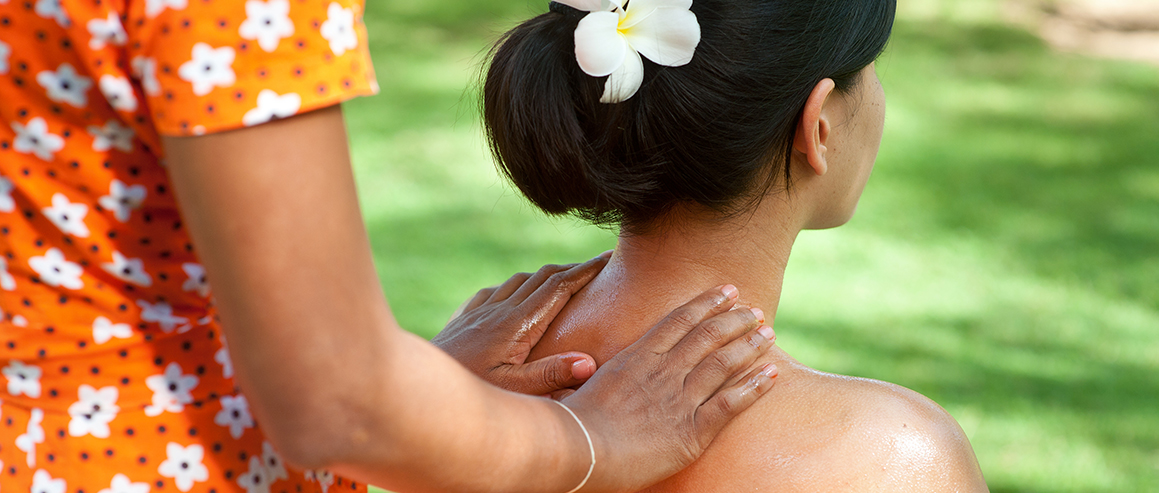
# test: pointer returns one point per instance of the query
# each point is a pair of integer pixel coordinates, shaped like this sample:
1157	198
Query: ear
813	130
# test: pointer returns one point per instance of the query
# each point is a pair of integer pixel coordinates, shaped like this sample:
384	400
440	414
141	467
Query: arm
336	383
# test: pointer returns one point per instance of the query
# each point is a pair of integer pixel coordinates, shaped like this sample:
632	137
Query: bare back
813	432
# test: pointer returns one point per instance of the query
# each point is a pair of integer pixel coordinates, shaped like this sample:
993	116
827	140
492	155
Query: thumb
550	374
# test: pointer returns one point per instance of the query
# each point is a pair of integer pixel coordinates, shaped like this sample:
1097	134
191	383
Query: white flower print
222	357
170	391
22	379
19	321
273	462
271	106
52	9
107	32
34	138
93	411
197	280
6	202
339	29
34	434
161	313
67	216
5	52
122	199
119	92
65	85
7	282
145	70
235	415
128	270
183	464
155	7
42	482
112	135
267	22
323	477
122	484
210	67
104	330
54	270
256	480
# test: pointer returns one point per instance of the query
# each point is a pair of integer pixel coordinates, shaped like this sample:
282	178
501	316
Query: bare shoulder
820	432
900	439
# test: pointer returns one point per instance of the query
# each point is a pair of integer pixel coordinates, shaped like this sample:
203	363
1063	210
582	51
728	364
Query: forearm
497	441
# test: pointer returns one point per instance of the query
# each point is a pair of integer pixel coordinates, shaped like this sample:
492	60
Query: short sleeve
212	65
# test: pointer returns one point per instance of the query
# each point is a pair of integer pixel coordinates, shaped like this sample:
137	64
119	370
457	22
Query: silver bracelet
591	447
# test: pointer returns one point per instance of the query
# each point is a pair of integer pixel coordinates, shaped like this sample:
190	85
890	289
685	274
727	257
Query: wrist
577	454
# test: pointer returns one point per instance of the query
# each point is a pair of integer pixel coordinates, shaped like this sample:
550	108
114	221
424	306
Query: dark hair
706	133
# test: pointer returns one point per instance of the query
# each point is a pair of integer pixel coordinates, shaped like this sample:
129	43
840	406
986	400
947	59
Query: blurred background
1004	260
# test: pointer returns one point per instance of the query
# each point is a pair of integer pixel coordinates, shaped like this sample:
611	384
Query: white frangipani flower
93	411
112	135
271	106
171	391
611	38
67	216
183	464
267	22
119	92
22	379
104	330
130	270
65	85
34	138
107	32
162	314
34	434
6	202
54	270
7	282
235	415
42	482
122	199
209	68
339	29
122	484
145	70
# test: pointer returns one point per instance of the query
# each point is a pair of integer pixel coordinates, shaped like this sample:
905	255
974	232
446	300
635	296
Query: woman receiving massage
712	132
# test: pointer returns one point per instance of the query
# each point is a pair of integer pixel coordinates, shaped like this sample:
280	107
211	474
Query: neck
750	251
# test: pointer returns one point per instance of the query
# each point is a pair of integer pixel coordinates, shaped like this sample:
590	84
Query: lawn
1004	259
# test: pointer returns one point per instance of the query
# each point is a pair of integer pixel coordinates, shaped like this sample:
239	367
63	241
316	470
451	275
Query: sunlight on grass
1003	260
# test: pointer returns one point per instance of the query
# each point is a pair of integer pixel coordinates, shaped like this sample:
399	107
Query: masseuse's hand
496	329
653	408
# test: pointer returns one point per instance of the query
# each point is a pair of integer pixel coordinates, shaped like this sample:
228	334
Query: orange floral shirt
116	377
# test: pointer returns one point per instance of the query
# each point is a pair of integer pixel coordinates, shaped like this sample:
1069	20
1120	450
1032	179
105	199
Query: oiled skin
813	432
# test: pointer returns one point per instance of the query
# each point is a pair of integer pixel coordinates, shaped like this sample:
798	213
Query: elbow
325	439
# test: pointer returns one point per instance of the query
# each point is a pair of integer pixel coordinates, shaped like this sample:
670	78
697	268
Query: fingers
550	374
716	332
503	291
559	281
545	299
663	336
731	401
730	361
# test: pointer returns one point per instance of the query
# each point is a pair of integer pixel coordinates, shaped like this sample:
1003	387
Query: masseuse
149	148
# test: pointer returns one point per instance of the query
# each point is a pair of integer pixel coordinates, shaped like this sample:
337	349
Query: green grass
1004	260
